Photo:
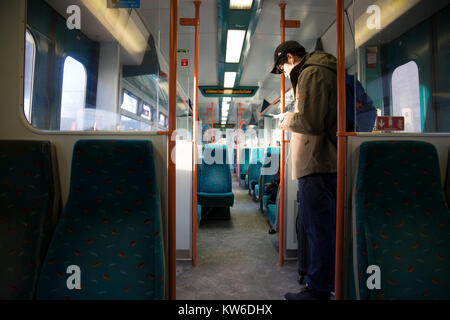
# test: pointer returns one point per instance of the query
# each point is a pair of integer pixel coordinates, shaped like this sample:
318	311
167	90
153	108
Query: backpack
366	113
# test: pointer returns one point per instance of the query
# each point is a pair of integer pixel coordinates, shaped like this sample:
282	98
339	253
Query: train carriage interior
142	155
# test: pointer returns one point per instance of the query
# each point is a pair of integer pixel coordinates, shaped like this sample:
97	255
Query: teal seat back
110	227
29	205
254	167
402	221
244	161
215	177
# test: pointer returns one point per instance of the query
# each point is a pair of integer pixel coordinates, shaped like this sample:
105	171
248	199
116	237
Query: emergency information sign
390	123
184	62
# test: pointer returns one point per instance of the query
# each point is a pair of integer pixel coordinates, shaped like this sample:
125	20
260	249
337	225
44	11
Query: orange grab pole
282	147
171	162
342	142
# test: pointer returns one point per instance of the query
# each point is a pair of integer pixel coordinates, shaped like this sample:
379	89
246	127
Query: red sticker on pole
390	123
184	62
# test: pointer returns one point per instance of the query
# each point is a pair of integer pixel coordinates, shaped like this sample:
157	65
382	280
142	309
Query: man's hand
280	116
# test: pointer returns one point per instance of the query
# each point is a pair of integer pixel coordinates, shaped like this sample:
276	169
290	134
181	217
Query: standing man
314	157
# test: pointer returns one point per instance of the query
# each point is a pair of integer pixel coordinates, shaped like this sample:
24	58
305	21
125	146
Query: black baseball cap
283	49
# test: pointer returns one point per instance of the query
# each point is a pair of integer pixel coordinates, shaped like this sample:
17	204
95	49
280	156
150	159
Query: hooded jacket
314	121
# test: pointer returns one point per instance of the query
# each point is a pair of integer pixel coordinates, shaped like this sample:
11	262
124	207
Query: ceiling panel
315	16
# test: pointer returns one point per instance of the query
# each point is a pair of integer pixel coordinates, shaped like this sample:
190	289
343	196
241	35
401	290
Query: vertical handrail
341	150
171	161
195	137
282	149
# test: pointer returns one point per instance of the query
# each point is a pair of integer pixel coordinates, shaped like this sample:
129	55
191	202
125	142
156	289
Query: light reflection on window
30	53
129	103
73	98
406	96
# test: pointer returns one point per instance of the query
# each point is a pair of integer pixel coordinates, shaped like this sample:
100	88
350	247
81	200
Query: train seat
110	227
244	162
254	169
264	178
29	207
272	211
214	185
401	222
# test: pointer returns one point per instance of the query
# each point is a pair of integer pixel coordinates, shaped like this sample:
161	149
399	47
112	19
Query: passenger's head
287	56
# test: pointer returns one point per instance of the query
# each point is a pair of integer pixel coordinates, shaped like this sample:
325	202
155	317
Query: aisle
237	259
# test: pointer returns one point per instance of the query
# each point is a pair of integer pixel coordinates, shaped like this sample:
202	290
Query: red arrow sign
390	123
184	62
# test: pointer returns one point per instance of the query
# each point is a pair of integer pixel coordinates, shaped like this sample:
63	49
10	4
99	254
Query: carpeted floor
237	259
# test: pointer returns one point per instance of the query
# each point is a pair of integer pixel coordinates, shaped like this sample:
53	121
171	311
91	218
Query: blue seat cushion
215	199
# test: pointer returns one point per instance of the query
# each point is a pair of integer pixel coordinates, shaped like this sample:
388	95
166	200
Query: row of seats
109	232
258	167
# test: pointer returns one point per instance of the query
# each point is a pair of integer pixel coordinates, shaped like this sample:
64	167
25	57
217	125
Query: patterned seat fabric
402	221
214	185
110	228
29	202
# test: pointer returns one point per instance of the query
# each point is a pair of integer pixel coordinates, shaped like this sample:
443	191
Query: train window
406	96
129	103
163	120
73	96
30	54
146	112
401	61
107	74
